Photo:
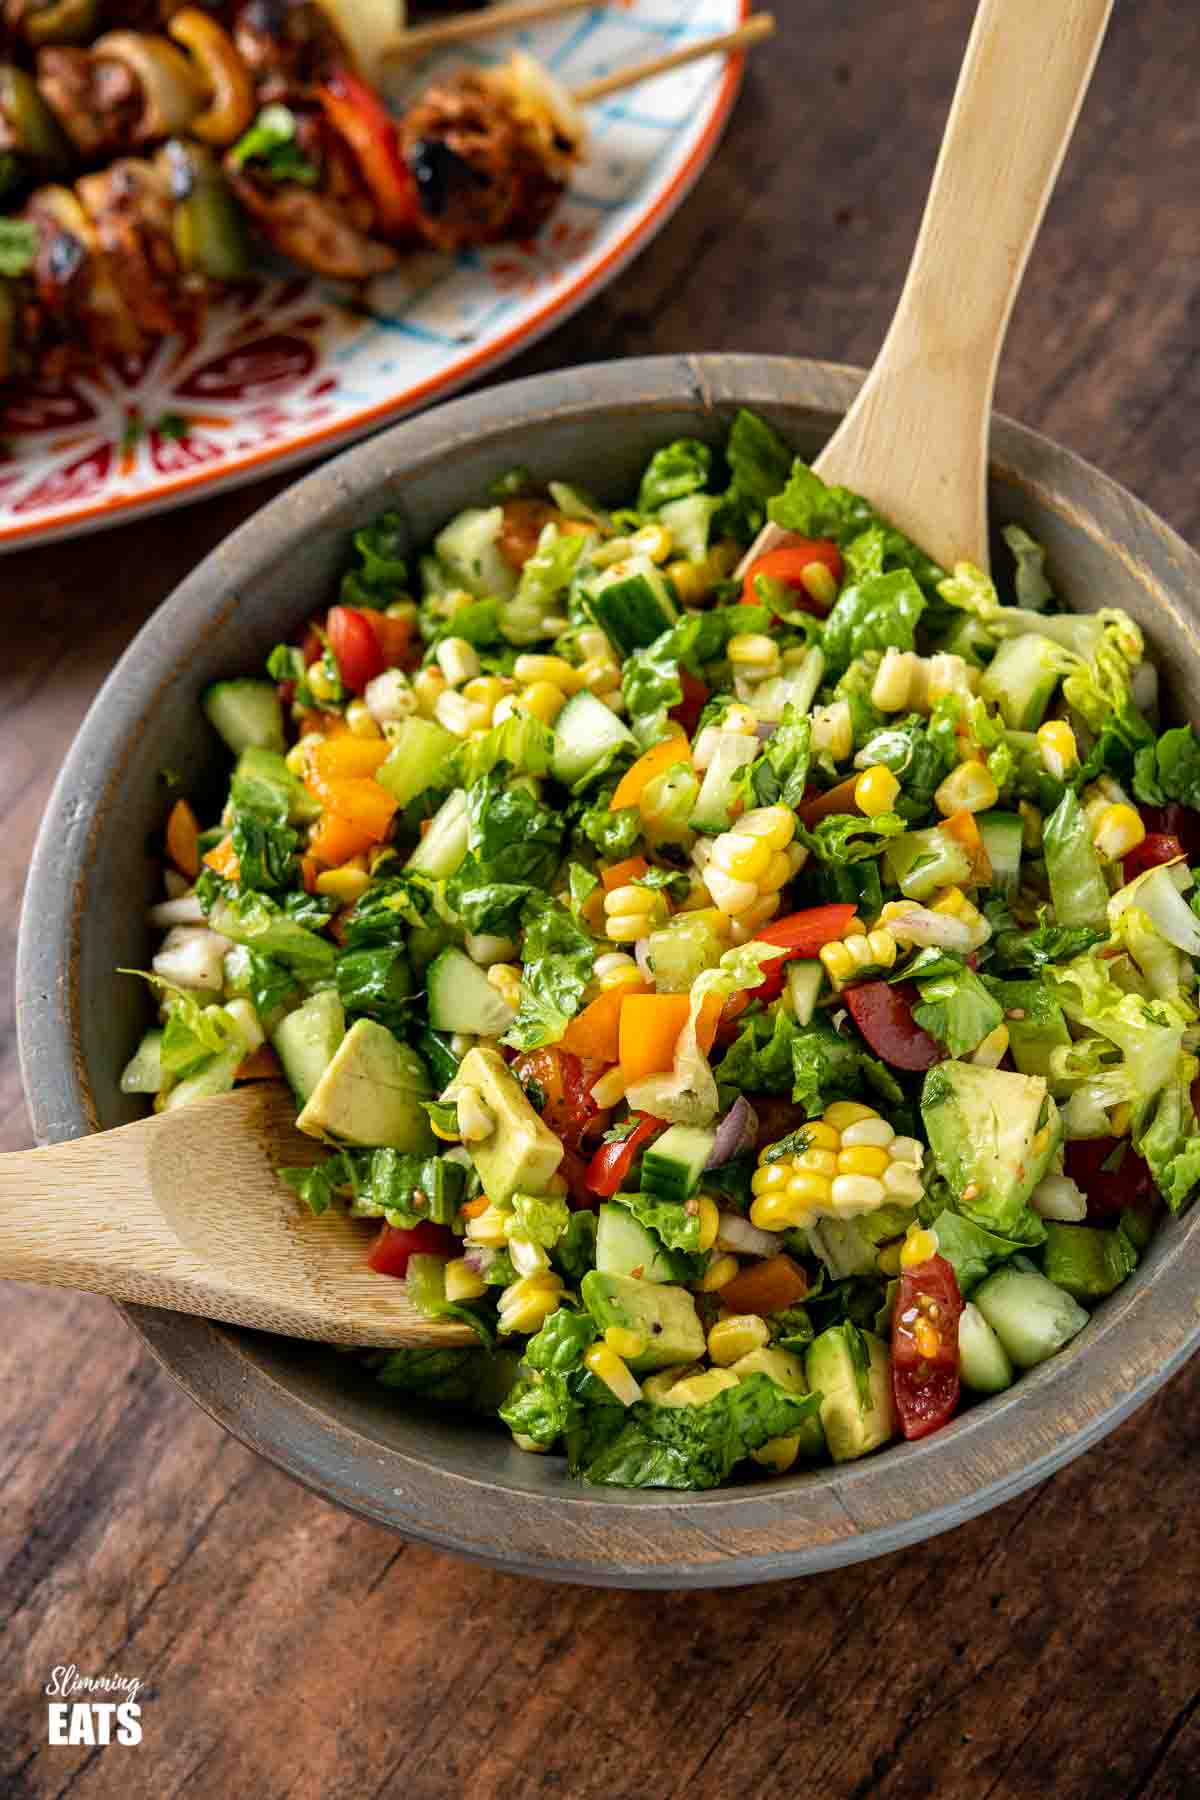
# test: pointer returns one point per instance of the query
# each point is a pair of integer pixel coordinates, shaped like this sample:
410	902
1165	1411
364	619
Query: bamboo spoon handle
915	440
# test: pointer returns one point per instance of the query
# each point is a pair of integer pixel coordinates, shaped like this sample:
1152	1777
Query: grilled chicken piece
130	208
480	178
287	45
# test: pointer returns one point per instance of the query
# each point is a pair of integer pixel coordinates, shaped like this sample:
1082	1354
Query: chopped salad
764	1008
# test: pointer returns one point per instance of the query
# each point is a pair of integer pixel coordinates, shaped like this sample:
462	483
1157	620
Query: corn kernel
898	673
322	685
691	580
919	1245
820	582
608	1367
457	660
543	700
856	1193
720	1271
428	685
816	1161
822	1135
737	1336
624	1342
1059	751
654	541
778	1454
297	757
490	1227
907	1150
739	718
753	653
616	969
775	825
358	718
847	1112
775	1212
875	791
601	676
527	1257
476	1120
525	1305
463	1282
531	667
506	979
742	857
863	1159
346	884
990	1051
969	788
710	1218
1117	831
902	1183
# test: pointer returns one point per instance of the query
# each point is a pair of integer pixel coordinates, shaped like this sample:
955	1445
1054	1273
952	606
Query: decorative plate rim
253	465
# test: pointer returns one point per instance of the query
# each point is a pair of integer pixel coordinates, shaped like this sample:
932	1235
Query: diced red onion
737	1234
736	1132
479	1257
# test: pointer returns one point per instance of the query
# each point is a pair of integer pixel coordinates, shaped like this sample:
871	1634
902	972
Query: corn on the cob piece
632	912
750	864
848	958
853	1163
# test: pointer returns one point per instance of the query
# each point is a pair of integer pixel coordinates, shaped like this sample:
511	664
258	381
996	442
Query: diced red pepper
787	565
396	1243
800	934
359	116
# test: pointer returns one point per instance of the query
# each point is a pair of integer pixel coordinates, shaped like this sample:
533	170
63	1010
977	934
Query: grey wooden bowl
441	1479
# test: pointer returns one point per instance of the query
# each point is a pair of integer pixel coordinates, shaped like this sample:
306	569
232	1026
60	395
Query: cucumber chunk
803	981
673	1165
718	790
630	601
468	550
983	1362
1001	834
625	1247
307	1041
461	998
421	748
587	735
445	843
247	714
1032	1318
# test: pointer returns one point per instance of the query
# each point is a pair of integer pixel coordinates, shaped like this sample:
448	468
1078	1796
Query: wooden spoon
185	1211
915	441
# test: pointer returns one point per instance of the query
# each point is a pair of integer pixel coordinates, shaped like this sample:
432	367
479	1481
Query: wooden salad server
915	442
184	1210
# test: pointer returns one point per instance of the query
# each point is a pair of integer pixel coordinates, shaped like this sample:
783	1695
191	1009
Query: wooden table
1048	1649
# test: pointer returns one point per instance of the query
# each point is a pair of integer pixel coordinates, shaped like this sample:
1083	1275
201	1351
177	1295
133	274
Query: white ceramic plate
287	372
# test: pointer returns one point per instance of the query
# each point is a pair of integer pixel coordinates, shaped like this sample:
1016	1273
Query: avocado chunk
665	1316
1085	1261
521	1154
697	1389
370	1095
307	1041
986	1131
786	1371
1036	1023
856	1403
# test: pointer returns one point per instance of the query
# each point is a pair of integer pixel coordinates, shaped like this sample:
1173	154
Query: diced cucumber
461	998
587	735
262	782
718	791
1021	678
445	843
921	862
1032	1318
689	521
630	601
625	1247
1001	834
420	750
804	978
307	1041
468	550
247	714
1086	1262
983	1362
143	1072
673	1164
212	1078
797	688
682	949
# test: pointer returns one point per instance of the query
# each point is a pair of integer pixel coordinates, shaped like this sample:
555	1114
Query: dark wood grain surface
286	1649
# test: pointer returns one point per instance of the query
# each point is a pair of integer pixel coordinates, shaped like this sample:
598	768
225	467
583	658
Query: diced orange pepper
222	859
707	1020
183	832
650	1025
662	756
472	1209
261	1065
962	828
839	799
595	1032
347	759
336	840
766	1287
622	873
361	803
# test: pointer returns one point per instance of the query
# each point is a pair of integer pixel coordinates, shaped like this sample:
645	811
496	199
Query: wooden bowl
439	1478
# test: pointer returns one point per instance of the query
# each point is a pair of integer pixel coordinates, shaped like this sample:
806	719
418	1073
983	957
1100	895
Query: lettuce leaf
759	463
677	469
557	959
694	1447
827	1066
879	613
542	1218
970	1250
1169	769
1167	1135
560	1343
957	1010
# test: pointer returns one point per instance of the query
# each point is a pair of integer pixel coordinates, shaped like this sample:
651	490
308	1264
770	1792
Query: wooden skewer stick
464	28
752	32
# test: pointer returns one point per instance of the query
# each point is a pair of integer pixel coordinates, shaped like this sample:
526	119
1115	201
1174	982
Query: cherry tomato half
1178	821
1155	848
567	1103
612	1162
884	1016
354	644
800	934
396	1243
1110	1173
925	1346
787	565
